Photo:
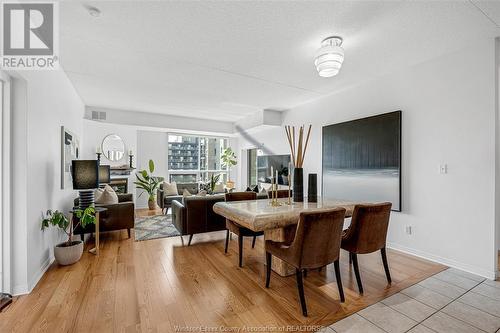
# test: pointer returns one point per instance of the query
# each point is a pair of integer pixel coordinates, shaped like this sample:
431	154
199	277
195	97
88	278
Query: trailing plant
228	159
147	182
57	219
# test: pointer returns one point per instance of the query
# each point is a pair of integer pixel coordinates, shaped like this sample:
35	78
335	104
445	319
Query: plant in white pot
228	159
70	251
149	183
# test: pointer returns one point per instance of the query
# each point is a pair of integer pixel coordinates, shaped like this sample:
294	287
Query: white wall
43	101
151	145
448	117
93	134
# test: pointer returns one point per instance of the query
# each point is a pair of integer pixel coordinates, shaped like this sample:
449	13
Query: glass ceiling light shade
329	57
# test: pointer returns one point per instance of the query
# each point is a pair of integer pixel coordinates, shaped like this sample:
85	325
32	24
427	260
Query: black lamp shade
85	174
104	174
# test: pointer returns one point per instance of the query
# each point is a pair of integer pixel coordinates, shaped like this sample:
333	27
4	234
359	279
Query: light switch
443	169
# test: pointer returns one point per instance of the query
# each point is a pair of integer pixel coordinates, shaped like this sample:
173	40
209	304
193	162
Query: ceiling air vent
98	115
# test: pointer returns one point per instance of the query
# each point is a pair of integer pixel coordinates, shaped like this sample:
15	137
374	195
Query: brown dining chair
316	244
236	228
281	194
366	234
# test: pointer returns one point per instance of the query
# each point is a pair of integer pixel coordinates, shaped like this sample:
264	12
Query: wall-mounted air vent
98	115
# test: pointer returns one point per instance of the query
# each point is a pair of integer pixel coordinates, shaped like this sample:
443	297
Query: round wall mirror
113	147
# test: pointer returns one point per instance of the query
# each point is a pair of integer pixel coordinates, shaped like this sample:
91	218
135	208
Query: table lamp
85	175
104	175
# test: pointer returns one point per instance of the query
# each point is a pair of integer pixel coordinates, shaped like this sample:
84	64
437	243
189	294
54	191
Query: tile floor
451	301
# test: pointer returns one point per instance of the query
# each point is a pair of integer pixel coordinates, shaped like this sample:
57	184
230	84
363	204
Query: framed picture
362	160
70	150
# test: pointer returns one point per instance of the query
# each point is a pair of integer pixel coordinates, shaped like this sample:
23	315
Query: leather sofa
165	201
195	215
118	216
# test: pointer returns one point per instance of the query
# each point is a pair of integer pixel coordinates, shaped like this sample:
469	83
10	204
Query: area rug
153	227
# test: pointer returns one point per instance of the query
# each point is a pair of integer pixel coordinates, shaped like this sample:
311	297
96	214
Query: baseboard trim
36	278
20	290
444	261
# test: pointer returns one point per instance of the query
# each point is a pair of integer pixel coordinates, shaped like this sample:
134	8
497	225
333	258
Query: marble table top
259	215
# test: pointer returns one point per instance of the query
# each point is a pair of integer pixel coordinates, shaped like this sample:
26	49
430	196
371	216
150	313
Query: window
193	158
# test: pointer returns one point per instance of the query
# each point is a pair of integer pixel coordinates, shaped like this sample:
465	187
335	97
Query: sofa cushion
186	193
170	188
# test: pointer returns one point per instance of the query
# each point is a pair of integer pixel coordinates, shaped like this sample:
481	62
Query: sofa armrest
118	216
160	194
125	197
179	216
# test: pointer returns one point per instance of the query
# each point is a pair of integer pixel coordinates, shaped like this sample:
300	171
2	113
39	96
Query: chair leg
300	287
339	280
253	241
240	250
356	272
268	268
190	239
227	241
386	265
128	232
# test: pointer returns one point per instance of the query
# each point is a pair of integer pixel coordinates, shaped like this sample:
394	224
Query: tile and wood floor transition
157	285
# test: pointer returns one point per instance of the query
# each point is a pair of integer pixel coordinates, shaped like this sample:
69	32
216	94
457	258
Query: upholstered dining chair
366	234
236	228
316	244
281	194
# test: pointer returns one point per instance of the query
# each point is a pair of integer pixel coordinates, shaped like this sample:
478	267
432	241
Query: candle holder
98	156
130	161
274	194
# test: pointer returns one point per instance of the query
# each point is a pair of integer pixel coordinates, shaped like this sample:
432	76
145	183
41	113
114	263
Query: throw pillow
202	193
248	189
256	189
97	193
186	193
263	191
170	188
107	197
219	188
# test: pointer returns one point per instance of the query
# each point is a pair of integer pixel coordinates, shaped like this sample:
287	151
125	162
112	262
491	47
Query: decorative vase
68	254
298	185
312	188
152	204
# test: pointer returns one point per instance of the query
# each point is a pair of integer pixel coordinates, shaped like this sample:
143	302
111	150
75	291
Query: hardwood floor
158	284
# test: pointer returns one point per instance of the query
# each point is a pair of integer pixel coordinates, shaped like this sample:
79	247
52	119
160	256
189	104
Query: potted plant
209	185
149	183
70	251
228	159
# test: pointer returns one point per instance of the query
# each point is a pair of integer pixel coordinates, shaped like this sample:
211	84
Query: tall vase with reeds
298	149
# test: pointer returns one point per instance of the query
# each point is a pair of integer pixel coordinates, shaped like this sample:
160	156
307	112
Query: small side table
98	210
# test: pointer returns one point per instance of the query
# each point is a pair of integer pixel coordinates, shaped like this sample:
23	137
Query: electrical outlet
408	230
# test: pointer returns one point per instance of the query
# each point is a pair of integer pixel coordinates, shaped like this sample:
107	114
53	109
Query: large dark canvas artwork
362	160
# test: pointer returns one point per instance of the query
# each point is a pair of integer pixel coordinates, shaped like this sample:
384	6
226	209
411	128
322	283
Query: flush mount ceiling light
329	57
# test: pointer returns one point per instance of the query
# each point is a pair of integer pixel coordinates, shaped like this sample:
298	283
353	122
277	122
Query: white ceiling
226	60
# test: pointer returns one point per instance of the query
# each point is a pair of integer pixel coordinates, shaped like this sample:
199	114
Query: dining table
276	220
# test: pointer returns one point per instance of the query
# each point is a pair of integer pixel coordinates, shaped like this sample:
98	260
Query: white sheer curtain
5	230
